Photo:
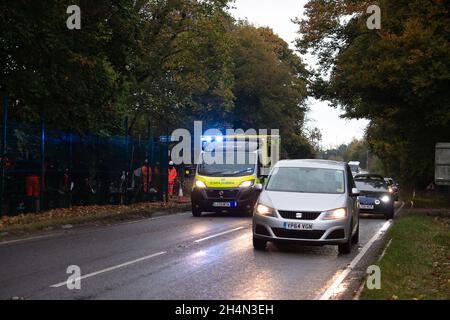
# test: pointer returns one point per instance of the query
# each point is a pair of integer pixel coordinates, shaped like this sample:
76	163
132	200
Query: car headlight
246	184
264	210
335	214
385	198
200	184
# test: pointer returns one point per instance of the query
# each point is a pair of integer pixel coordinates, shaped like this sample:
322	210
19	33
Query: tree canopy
164	62
397	77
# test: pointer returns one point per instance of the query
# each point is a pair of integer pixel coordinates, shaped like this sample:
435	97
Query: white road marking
30	238
332	289
384	251
110	268
218	234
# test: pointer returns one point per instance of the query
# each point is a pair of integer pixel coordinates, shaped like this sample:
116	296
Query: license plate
298	226
224	204
366	206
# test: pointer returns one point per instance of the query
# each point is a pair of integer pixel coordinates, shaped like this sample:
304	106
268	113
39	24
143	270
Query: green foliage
397	77
270	88
357	151
163	62
68	77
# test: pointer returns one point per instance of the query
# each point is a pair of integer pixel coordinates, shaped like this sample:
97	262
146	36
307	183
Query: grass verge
417	263
430	199
21	225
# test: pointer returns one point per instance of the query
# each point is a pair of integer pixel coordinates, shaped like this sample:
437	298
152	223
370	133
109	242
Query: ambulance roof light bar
239	138
221	138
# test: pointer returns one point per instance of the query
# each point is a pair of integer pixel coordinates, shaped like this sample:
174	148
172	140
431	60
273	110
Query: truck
355	167
232	185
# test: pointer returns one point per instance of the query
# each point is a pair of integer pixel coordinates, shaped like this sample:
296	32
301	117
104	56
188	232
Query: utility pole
367	159
42	187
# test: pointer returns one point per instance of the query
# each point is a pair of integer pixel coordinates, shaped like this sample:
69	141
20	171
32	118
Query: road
171	257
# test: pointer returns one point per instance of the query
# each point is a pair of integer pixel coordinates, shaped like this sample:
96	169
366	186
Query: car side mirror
355	192
258	187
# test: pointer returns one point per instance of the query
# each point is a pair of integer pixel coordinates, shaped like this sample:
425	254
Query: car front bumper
204	199
381	208
323	231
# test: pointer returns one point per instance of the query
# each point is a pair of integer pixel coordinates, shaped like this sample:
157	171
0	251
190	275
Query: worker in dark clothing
103	182
81	189
65	189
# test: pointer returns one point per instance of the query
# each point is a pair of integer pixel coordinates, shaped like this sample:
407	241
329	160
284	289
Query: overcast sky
277	14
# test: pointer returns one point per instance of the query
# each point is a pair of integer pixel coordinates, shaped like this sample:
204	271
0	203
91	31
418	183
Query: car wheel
355	238
390	214
259	244
345	248
196	212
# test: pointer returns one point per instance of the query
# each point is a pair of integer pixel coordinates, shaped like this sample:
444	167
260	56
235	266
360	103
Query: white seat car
310	202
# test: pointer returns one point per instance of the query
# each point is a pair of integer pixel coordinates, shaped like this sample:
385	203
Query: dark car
375	196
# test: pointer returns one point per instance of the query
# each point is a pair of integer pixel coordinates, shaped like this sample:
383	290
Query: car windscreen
371	185
234	164
307	180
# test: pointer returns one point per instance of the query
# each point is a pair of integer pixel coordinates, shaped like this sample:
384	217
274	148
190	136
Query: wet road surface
171	257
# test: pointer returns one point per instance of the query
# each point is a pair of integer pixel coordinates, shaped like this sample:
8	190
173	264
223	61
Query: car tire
196	212
355	238
259	244
390	214
345	248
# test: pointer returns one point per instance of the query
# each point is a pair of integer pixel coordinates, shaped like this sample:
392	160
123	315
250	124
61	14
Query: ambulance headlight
200	184
246	184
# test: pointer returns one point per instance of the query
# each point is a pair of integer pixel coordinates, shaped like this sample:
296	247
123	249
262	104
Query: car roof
311	163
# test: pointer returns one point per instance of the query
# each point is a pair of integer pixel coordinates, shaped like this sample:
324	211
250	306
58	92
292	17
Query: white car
310	202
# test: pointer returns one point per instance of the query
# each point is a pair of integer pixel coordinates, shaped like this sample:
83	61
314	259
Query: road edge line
331	289
329	292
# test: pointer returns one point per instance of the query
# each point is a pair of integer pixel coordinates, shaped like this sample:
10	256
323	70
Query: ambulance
231	171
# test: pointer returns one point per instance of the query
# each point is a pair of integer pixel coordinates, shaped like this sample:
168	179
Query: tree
357	150
182	70
163	62
397	76
69	77
270	88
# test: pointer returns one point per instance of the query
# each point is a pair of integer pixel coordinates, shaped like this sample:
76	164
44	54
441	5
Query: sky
277	14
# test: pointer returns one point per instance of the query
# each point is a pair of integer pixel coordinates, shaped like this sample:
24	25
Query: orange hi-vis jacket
172	173
146	176
146	172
